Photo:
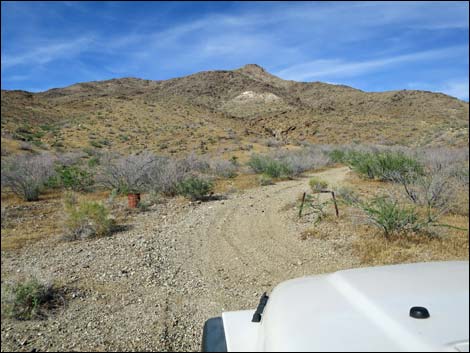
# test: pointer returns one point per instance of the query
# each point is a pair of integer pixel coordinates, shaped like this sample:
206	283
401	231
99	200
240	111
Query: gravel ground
152	286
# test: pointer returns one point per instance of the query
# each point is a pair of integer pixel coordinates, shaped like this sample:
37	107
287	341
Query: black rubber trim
259	310
213	336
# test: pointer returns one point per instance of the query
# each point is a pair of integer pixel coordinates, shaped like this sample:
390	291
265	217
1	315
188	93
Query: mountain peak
252	68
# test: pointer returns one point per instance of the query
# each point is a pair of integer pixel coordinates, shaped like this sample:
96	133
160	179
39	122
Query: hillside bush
222	168
317	184
86	219
74	177
382	165
390	216
337	156
265	180
195	188
27	175
28	300
166	174
299	161
127	174
270	167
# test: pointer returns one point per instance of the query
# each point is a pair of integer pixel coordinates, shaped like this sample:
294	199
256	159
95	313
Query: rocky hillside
226	109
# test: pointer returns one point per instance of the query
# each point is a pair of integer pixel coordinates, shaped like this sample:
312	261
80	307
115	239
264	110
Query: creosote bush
390	216
269	166
86	219
74	177
381	165
195	188
265	180
29	300
317	184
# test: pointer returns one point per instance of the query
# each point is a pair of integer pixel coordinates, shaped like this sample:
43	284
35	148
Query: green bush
93	161
28	299
383	165
86	219
389	216
265	180
195	188
317	184
73	177
269	166
337	156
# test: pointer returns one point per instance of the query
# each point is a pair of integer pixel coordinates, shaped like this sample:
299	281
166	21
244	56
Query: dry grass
30	222
374	250
371	247
239	183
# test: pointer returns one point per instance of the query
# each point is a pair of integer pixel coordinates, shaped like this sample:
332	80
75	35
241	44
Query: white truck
410	307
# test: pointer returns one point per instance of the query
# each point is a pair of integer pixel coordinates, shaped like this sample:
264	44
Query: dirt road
153	286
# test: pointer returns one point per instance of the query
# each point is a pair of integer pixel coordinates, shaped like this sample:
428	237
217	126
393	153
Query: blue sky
373	46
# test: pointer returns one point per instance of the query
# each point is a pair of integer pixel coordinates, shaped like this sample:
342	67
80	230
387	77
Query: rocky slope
247	102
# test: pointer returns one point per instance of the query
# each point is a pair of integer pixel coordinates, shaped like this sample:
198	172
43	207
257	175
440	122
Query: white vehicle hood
362	310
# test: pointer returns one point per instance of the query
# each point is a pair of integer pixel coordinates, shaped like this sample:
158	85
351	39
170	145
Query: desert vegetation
30	299
396	204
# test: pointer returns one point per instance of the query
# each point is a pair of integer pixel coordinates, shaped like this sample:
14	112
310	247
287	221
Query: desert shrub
382	165
435	190
29	300
86	219
347	196
269	166
153	198
127	174
265	180
299	161
166	174
234	161
95	144
337	156
70	158
317	206
194	163
444	158
277	169
390	216
26	146
74	177
93	161
223	168
272	142
27	175
257	163
317	184
4	218
195	188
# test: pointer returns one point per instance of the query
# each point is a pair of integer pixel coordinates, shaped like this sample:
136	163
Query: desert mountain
230	108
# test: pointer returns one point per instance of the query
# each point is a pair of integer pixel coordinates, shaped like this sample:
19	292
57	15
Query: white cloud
458	88
339	68
47	53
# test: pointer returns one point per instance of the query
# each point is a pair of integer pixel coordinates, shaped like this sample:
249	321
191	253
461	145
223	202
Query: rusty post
336	205
302	205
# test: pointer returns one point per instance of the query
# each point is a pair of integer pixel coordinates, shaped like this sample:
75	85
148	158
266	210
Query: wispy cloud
456	87
337	68
46	53
329	41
